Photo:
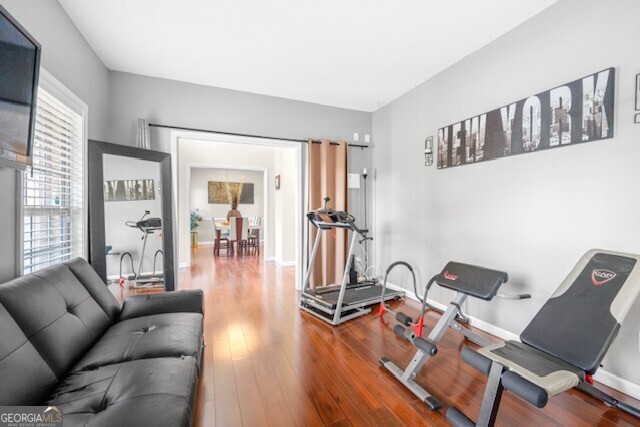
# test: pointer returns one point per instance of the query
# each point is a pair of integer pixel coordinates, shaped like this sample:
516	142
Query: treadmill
153	280
335	304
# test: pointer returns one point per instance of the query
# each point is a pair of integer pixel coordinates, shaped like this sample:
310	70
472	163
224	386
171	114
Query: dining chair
244	233
221	240
239	233
254	235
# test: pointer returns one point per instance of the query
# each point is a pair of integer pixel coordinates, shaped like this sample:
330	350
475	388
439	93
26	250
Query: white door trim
175	137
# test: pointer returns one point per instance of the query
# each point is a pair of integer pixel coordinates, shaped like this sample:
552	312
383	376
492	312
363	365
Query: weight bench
466	280
565	342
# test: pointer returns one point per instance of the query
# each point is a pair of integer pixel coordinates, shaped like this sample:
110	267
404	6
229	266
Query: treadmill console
325	219
321	217
150	223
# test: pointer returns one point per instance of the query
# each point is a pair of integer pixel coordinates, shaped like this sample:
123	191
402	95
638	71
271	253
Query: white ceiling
358	54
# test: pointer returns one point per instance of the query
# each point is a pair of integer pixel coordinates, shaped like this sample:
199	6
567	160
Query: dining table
223	226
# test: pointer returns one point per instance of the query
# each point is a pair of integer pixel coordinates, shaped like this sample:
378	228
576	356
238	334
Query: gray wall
70	59
532	215
188	105
194	106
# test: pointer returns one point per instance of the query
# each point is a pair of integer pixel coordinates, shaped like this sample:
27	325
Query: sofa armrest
190	301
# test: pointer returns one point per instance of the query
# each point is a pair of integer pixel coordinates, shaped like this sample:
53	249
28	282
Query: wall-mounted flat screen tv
19	66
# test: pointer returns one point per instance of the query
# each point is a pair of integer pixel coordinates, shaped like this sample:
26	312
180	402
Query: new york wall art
129	190
579	111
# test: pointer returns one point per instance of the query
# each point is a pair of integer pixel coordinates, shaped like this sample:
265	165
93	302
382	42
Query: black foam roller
404	319
425	346
527	390
399	330
476	360
458	419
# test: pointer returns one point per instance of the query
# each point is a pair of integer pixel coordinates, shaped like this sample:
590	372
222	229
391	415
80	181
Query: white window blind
53	187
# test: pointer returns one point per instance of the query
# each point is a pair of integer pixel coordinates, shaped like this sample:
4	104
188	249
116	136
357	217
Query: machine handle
326	200
513	297
527	390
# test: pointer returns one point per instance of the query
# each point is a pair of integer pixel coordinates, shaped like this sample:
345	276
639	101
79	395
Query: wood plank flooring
266	363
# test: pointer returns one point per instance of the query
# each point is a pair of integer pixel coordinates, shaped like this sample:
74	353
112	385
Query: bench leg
492	396
490	402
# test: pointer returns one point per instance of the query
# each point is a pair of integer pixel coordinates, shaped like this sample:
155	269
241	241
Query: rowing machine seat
472	280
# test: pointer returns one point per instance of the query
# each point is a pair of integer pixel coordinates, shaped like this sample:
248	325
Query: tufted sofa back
48	321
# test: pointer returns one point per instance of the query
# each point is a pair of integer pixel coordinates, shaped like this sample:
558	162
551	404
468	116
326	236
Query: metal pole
345	277
366	242
144	246
155	125
307	276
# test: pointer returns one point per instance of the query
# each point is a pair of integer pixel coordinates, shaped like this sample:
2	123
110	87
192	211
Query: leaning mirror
130	227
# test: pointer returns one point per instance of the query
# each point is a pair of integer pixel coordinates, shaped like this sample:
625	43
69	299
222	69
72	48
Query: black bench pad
479	282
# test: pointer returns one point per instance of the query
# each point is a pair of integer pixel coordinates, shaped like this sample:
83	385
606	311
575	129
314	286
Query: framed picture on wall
129	190
277	182
217	192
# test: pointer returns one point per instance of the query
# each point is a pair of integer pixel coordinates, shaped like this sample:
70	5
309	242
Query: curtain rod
154	125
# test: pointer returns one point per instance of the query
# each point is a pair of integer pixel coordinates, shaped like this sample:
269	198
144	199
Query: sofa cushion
188	301
95	286
161	335
57	314
25	376
149	392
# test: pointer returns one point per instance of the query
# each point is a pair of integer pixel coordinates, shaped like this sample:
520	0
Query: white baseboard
617	383
601	376
285	263
270	259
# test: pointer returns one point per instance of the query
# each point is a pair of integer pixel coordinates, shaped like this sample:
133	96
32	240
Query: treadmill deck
360	295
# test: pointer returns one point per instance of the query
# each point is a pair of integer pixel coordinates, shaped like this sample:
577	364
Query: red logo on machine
449	276
600	276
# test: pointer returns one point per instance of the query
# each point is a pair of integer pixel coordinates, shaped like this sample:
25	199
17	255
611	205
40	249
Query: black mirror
130	215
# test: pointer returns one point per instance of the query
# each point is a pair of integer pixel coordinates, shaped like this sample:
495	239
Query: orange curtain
327	171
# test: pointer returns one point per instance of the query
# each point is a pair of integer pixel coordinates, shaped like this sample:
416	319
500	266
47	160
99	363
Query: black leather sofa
66	341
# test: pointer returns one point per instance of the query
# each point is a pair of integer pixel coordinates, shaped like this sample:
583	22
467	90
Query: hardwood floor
266	363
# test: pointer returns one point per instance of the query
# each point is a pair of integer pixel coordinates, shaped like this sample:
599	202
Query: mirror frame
97	243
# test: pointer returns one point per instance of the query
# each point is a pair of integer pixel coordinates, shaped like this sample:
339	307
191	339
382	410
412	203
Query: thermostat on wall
353	180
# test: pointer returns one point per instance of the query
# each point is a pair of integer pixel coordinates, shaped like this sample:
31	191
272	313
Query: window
53	192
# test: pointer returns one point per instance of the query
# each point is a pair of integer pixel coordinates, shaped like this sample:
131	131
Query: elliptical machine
153	280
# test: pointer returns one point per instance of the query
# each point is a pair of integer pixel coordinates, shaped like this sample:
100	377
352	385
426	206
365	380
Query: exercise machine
418	325
565	342
337	303
147	226
467	281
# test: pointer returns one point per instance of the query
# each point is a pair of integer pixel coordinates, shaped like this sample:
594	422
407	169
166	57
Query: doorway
280	163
